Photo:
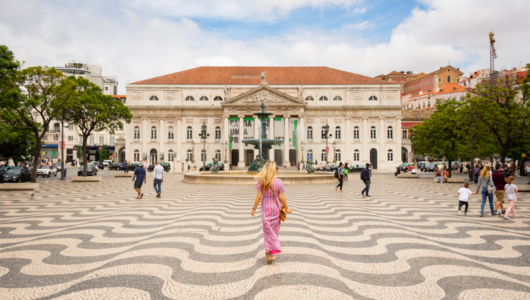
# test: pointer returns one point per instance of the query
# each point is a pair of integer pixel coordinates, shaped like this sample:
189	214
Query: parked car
91	170
47	171
107	162
17	175
116	166
166	166
404	167
98	164
59	167
432	166
135	164
4	169
209	167
356	168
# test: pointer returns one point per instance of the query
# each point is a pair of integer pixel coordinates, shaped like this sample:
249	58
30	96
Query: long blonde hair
485	171
267	175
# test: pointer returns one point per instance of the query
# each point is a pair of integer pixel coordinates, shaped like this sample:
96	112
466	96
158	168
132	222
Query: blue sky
139	39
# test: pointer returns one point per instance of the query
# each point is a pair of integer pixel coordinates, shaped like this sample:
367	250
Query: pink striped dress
270	213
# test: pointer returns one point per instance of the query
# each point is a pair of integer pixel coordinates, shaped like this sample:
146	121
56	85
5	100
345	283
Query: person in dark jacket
365	176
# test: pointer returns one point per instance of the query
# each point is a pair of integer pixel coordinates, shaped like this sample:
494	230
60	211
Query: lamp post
334	152
226	152
192	152
66	116
302	146
203	136
325	136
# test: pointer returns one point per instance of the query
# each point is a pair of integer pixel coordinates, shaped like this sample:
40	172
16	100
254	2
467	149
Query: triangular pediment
272	97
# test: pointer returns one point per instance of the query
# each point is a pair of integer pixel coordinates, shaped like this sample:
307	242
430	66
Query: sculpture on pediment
263	76
390	95
300	92
137	95
228	90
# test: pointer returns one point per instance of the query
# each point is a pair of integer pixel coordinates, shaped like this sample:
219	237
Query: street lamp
203	136
334	152
226	152
325	136
192	152
66	116
302	146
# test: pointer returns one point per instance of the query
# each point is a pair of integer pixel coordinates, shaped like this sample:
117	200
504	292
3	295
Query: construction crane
493	55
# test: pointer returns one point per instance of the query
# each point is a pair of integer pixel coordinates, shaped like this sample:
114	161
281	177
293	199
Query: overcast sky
140	39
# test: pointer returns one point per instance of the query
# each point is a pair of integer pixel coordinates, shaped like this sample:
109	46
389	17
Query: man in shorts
499	180
139	179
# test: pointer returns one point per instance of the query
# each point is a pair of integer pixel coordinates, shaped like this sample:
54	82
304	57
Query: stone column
162	138
381	153
398	138
365	137
271	136
179	136
241	162
348	155
146	136
286	140
302	138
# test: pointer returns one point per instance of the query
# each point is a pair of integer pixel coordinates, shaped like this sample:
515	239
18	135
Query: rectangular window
356	156
91	141
115	90
373	134
405	134
80	140
45	138
101	140
111	141
70	138
448	78
356	134
55	137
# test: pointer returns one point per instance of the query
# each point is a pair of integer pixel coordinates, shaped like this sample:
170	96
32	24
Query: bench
86	179
129	175
408	176
451	180
18	186
523	188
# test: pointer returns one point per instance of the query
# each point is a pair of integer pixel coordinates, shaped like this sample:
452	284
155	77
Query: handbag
283	214
491	188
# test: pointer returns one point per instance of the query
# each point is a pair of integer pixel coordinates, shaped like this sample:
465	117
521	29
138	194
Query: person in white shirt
463	198
413	171
158	178
510	193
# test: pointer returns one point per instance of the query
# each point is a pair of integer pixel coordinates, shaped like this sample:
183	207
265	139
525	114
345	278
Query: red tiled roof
451	88
251	76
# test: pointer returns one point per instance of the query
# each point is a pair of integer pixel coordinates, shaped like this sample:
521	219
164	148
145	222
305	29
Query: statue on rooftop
263	76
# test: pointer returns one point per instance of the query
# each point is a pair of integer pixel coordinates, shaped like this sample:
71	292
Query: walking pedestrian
463	198
484	181
528	172
328	167
511	191
158	178
182	167
476	172
340	176
125	167
139	179
499	180
365	177
270	194
438	176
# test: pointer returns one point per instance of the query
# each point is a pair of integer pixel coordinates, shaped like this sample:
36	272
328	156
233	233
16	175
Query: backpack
336	173
362	175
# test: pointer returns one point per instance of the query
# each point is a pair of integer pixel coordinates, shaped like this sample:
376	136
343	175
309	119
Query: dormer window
218	98
153	98
372	98
337	98
323	98
309	98
203	98
190	98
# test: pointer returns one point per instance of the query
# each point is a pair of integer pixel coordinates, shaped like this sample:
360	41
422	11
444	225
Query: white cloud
134	45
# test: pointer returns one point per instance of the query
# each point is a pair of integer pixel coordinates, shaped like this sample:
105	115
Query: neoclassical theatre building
171	112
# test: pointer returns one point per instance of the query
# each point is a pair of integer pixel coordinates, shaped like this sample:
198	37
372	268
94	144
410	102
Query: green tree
16	143
93	111
31	98
103	153
438	136
502	112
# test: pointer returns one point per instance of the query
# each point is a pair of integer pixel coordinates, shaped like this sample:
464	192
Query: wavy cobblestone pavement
97	241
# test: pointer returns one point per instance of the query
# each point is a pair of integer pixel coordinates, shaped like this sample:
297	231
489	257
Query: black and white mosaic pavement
97	241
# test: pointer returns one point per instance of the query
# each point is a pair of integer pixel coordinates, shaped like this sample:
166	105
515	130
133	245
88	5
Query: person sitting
398	171
413	171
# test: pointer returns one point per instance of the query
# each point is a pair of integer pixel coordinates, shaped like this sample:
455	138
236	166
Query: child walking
511	191
463	198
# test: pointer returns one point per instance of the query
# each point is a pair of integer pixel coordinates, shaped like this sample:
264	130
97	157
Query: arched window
309	134
323	98
373	133
323	156
189	156
356	155
170	155
218	98
203	98
190	98
337	155
390	155
310	154
217	133
309	98
189	133
136	133
203	155
153	98
373	98
170	134
153	133
390	133
218	154
337	133
337	98
136	155
356	133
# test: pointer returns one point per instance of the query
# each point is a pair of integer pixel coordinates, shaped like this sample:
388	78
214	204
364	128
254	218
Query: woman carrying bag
485	182
273	208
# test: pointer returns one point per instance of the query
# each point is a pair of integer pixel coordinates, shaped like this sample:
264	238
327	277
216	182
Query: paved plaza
97	241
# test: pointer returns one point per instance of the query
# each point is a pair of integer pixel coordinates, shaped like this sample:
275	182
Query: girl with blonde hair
483	181
271	195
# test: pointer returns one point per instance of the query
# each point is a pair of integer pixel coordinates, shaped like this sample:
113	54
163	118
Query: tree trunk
36	161
85	157
450	169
